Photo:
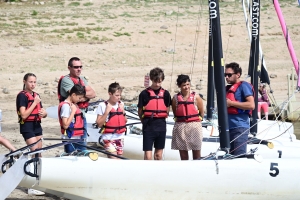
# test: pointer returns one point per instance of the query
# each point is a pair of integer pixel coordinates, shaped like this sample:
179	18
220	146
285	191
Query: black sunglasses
76	67
228	74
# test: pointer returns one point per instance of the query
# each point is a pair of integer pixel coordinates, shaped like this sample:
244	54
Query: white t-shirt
100	111
65	111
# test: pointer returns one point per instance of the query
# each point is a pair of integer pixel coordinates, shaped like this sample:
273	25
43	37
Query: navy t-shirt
153	124
34	127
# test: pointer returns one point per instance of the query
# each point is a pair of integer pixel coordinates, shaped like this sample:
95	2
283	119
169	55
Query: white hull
134	179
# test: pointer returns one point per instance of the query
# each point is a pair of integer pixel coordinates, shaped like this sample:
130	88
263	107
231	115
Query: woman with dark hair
263	101
188	111
30	112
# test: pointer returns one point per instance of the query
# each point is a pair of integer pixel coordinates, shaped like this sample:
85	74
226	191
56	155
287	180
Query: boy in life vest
153	109
67	82
111	118
240	103
71	117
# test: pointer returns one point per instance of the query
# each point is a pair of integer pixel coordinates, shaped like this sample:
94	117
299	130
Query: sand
121	41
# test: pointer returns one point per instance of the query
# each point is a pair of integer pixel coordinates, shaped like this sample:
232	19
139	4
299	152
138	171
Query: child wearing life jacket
112	120
188	110
153	109
71	117
30	112
263	101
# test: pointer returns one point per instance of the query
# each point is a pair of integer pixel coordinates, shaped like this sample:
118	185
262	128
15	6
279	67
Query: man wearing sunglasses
67	82
240	103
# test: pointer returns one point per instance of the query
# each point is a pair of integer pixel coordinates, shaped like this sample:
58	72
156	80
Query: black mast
254	60
214	16
210	79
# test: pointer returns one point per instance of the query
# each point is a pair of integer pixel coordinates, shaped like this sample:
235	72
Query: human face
156	84
115	97
230	76
30	83
75	71
76	98
185	87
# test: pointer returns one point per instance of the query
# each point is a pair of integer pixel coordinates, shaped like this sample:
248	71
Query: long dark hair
26	77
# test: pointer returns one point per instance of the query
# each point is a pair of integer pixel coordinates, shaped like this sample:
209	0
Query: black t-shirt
34	127
153	124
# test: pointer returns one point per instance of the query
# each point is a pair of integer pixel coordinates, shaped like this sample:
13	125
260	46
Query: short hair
156	74
78	90
70	63
182	78
113	87
235	67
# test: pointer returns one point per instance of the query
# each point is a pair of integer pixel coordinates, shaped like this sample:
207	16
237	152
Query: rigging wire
174	44
232	15
195	45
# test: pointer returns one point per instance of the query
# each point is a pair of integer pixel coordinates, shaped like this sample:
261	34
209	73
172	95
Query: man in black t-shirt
153	109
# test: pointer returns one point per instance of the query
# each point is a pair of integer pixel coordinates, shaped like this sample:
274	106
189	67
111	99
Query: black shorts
28	135
156	137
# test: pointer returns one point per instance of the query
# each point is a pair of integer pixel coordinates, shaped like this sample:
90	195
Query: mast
254	60
218	64
288	40
210	79
264	77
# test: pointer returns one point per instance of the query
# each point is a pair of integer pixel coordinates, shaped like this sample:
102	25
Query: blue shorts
158	138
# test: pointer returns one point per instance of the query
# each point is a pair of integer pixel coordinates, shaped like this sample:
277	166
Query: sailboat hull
203	179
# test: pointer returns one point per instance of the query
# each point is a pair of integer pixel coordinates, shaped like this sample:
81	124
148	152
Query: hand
37	99
229	102
42	112
73	107
108	108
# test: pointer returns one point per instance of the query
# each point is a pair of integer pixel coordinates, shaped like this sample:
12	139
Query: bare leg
147	155
258	115
266	115
158	154
7	144
196	154
113	157
33	140
184	155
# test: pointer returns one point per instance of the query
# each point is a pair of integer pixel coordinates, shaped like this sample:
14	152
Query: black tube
219	74
210	79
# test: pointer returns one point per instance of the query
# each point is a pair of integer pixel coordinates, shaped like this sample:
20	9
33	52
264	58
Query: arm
89	92
26	112
174	106
199	104
124	113
247	105
101	117
66	121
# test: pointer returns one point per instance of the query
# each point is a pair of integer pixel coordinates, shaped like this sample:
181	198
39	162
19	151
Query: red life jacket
116	122
230	95
156	106
34	115
79	81
186	111
78	125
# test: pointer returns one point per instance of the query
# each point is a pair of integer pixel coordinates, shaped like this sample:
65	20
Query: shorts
113	146
28	135
158	138
263	105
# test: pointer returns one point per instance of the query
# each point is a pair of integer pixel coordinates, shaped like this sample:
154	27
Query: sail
218	64
254	60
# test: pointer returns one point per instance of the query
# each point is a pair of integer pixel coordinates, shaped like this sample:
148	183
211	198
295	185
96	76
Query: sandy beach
121	41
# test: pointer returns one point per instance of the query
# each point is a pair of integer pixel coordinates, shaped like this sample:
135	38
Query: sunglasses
76	67
228	74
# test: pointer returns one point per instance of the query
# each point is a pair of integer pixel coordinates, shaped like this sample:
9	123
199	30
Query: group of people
153	108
